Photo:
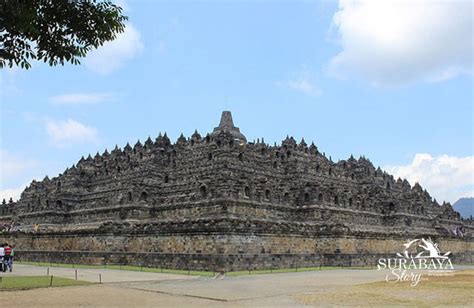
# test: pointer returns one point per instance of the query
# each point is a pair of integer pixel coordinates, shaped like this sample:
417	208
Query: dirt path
97	296
454	290
166	290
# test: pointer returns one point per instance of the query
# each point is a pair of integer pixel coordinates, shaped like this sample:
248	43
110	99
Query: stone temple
222	203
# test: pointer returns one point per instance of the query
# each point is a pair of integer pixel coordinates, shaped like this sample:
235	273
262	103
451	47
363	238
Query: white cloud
80	98
17	171
13	169
445	177
395	42
303	82
64	133
12	166
113	54
13	193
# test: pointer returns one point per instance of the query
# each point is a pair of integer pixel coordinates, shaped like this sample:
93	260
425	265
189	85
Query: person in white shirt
2	255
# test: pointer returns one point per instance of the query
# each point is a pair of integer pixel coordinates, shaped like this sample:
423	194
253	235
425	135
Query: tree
55	31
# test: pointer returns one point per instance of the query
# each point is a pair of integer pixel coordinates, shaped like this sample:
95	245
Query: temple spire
226	121
227	125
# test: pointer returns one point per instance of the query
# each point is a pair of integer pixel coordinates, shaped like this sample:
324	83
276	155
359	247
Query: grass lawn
185	272
122	267
30	282
289	270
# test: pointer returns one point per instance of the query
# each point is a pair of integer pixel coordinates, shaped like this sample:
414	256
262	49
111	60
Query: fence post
100	278
75	274
51	281
47	271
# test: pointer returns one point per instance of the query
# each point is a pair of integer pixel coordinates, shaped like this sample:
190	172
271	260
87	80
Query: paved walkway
261	286
139	289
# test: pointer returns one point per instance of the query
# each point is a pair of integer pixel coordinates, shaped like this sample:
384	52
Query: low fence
215	262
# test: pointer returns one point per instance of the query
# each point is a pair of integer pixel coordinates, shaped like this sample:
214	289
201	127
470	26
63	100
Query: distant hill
465	207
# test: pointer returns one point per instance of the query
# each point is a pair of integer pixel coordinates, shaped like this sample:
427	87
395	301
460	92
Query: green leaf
55	31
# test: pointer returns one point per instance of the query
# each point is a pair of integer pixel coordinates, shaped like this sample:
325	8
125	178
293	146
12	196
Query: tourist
7	258
11	257
2	255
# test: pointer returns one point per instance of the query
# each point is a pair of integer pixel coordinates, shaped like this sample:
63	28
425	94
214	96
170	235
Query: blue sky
391	81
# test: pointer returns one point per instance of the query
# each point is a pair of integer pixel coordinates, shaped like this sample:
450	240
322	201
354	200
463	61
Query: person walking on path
7	258
2	256
11	257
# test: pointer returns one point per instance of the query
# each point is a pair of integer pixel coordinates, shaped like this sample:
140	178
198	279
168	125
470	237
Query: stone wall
218	252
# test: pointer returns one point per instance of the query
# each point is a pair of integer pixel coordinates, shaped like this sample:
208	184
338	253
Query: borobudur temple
217	202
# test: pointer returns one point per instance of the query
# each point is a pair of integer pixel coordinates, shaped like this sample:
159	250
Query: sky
389	80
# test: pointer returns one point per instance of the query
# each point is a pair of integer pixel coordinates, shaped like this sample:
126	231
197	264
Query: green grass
185	272
160	270
122	267
67	265
290	270
30	282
